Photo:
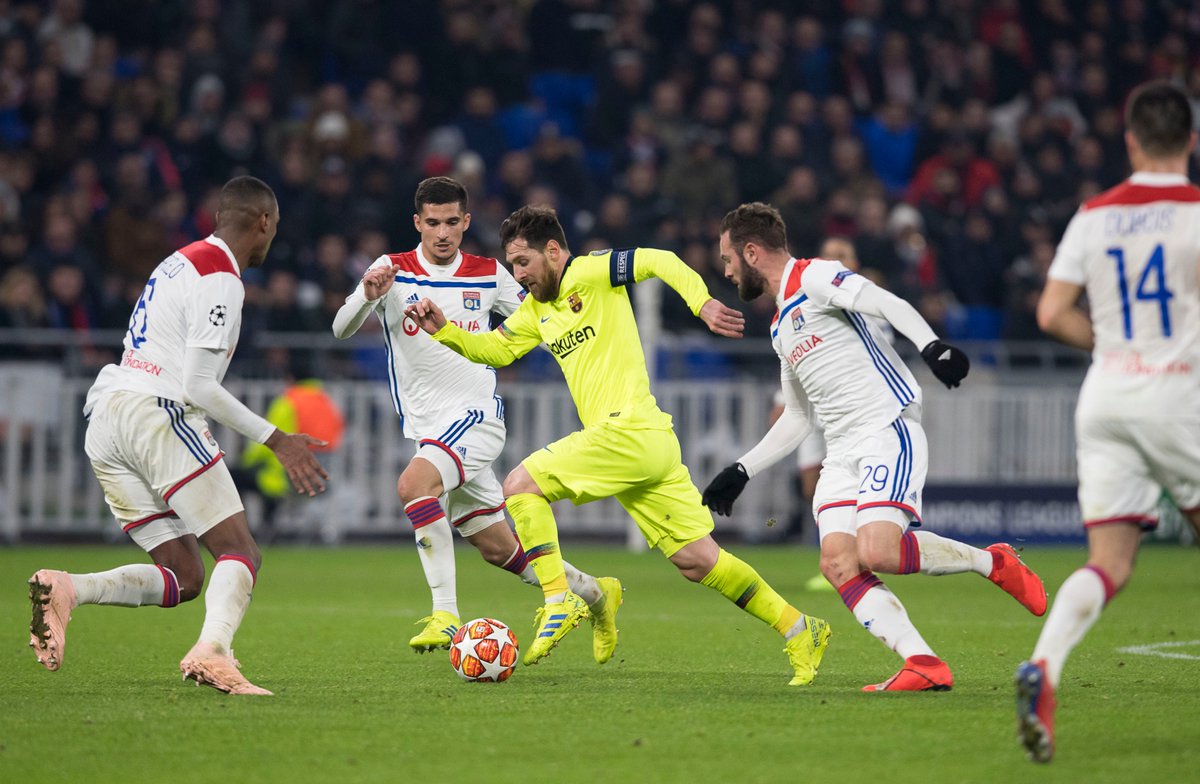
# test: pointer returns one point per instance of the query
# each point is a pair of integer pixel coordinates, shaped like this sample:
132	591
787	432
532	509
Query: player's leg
208	504
419	486
891	479
877	609
176	574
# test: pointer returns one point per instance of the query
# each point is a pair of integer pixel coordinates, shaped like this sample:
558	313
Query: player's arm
1059	316
830	284
784	437
632	265
365	298
513	339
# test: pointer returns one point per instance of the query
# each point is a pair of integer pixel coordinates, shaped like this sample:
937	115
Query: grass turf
696	691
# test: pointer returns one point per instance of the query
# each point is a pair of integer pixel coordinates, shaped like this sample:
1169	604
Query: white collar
448	270
1160	179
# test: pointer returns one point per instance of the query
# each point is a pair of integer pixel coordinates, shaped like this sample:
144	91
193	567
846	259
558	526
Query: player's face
748	280
442	227
533	270
259	254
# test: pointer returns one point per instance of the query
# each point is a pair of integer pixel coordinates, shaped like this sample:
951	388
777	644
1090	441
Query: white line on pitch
1156	649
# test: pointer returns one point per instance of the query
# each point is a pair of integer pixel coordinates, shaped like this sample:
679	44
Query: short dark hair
1159	116
244	200
536	224
440	190
755	222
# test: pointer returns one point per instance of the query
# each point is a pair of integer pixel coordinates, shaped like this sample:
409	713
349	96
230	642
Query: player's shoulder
207	259
1134	194
406	261
473	266
817	274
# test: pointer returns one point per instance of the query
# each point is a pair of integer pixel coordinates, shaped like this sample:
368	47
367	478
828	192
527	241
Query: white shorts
463	453
160	468
1124	465
874	478
811	452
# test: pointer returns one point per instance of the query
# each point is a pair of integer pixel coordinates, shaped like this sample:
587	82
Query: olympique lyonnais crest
797	319
575	302
472	300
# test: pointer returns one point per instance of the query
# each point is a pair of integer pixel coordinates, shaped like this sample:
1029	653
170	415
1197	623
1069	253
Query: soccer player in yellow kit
579	307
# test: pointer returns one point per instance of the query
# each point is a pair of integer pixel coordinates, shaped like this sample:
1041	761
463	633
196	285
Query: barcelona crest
472	300
575	302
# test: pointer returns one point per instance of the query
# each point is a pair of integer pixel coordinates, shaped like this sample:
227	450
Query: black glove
724	489
948	363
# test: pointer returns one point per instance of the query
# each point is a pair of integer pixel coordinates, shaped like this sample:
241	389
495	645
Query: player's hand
948	363
378	281
725	488
723	320
294	451
428	316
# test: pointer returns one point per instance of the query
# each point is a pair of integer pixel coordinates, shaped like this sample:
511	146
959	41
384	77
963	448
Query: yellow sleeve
516	336
670	269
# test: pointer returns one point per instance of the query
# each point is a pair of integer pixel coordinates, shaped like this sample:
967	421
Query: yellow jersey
590	329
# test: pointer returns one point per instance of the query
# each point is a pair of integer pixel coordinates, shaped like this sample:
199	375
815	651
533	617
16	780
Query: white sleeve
352	314
789	430
211	309
1071	255
829	285
874	301
509	294
202	390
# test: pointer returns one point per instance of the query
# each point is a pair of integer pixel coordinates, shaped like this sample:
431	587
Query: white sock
134	585
940	555
1076	608
226	600
435	545
583	584
882	614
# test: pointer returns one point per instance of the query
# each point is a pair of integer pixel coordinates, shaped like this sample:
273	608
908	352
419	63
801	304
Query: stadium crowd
950	140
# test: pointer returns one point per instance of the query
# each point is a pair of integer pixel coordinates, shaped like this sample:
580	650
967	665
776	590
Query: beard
750	287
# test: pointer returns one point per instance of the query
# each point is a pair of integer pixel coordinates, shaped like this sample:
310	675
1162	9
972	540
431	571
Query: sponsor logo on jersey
216	316
803	348
469	326
575	302
472	300
567	344
462	450
130	361
412	299
838	278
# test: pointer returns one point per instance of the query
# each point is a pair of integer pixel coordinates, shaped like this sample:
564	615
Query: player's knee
839	568
410	489
189	575
518	481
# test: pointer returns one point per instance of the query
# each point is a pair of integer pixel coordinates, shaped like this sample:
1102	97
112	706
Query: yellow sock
737	581
539	536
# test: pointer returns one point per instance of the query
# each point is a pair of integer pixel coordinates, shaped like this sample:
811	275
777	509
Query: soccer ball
483	650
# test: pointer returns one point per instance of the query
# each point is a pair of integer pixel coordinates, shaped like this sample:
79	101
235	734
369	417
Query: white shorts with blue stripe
463	448
160	467
874	478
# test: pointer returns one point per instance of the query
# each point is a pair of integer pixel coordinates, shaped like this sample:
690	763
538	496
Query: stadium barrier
984	434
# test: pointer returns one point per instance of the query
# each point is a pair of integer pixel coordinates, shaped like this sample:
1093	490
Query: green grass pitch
696	691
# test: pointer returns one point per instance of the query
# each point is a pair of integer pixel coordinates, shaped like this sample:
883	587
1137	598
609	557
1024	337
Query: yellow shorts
640	467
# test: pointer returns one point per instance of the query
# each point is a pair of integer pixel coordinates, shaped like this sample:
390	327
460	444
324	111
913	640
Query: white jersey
427	379
193	298
850	373
1136	249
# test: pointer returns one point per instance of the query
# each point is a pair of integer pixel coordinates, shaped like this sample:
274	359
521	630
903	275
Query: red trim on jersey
476	267
1129	194
408	262
1145	522
244	561
207	258
477	513
792	285
139	523
175	487
891	505
835	504
462	475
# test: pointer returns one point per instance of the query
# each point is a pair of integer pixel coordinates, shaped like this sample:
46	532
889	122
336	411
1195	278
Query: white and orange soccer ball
484	650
